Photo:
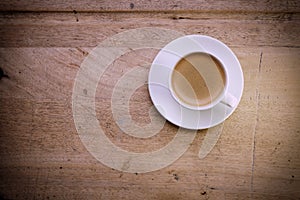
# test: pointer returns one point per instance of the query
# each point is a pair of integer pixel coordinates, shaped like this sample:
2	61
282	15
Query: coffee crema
198	79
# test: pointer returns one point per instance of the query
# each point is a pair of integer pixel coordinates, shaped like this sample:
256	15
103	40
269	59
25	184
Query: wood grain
277	137
40	73
42	45
153	5
88	30
40	145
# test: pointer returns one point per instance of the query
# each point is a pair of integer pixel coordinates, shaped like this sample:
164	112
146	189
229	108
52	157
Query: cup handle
230	100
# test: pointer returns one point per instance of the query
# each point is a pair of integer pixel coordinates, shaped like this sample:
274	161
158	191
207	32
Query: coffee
198	79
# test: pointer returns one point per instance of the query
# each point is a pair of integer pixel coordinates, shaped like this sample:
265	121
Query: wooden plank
16	118
49	73
154	5
277	139
39	73
88	30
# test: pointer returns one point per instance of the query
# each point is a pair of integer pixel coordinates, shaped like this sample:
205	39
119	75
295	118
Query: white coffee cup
190	50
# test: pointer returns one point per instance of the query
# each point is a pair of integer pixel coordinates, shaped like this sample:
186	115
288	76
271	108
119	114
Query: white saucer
161	69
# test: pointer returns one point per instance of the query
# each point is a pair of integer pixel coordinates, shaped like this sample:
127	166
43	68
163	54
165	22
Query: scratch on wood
253	157
178	18
24	89
254	134
73	65
82	51
260	59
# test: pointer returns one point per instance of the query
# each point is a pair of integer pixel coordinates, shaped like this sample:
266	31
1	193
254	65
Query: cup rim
216	100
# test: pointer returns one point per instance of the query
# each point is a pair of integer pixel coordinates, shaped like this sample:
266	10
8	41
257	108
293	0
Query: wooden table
43	44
